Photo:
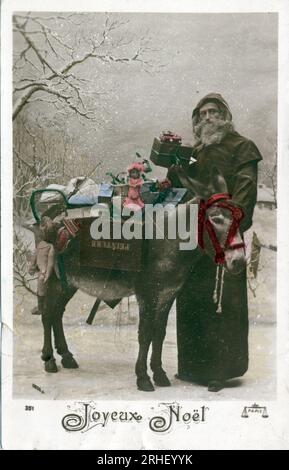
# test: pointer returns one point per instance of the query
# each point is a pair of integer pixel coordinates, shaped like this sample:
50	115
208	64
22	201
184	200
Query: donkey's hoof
161	380
145	385
50	366
69	362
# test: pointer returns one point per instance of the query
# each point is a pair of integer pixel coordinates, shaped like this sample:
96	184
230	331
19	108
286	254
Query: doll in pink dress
133	200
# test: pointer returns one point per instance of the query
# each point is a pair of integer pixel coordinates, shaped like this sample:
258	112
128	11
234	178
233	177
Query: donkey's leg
47	320
161	311
144	338
62	300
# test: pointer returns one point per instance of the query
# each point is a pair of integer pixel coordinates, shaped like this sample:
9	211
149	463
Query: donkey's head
217	217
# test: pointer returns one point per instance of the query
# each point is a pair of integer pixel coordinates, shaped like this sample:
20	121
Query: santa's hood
214	98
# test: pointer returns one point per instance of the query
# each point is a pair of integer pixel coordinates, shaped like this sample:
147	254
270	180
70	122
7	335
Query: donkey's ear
218	181
193	185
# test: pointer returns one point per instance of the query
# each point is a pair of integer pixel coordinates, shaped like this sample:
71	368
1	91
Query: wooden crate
124	255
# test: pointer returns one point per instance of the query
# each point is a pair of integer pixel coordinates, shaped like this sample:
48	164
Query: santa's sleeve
244	193
190	169
172	175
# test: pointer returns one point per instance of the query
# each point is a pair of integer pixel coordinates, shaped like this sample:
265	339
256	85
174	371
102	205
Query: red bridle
206	224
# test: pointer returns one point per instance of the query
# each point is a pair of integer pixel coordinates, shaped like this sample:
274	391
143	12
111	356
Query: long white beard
212	133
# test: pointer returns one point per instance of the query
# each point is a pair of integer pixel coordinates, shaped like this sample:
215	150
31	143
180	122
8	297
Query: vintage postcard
144	225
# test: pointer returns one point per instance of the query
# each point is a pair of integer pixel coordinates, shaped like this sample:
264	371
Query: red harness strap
206	224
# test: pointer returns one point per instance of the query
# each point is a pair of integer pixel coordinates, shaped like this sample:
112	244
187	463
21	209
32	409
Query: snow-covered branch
51	58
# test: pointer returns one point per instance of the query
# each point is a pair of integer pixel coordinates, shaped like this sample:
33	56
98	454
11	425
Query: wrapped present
169	136
86	195
166	152
105	193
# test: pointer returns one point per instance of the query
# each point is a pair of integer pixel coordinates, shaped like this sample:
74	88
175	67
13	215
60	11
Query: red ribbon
206	224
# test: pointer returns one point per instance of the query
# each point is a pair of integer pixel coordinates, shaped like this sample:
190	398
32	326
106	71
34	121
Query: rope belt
219	200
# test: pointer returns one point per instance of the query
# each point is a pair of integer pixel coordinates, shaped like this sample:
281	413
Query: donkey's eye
217	219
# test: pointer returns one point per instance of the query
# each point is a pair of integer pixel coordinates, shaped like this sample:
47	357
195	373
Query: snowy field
106	353
107	350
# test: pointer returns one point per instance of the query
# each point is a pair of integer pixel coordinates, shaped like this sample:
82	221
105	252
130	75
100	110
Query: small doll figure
44	258
133	200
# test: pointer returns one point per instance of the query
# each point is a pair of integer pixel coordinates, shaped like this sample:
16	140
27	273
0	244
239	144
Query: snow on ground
106	353
262	306
107	350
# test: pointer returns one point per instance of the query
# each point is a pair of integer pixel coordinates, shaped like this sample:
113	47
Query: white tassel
219	309
128	307
215	294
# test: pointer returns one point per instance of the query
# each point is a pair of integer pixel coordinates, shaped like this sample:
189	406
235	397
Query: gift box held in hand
167	150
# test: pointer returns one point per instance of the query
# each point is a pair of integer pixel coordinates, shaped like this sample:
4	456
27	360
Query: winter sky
232	54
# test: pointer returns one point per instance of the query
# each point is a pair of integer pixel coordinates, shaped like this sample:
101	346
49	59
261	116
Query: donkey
164	272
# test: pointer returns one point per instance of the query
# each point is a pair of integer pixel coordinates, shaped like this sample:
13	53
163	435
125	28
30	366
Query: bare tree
54	56
22	255
30	171
48	63
269	173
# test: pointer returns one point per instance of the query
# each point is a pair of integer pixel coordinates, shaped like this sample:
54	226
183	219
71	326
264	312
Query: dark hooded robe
211	345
